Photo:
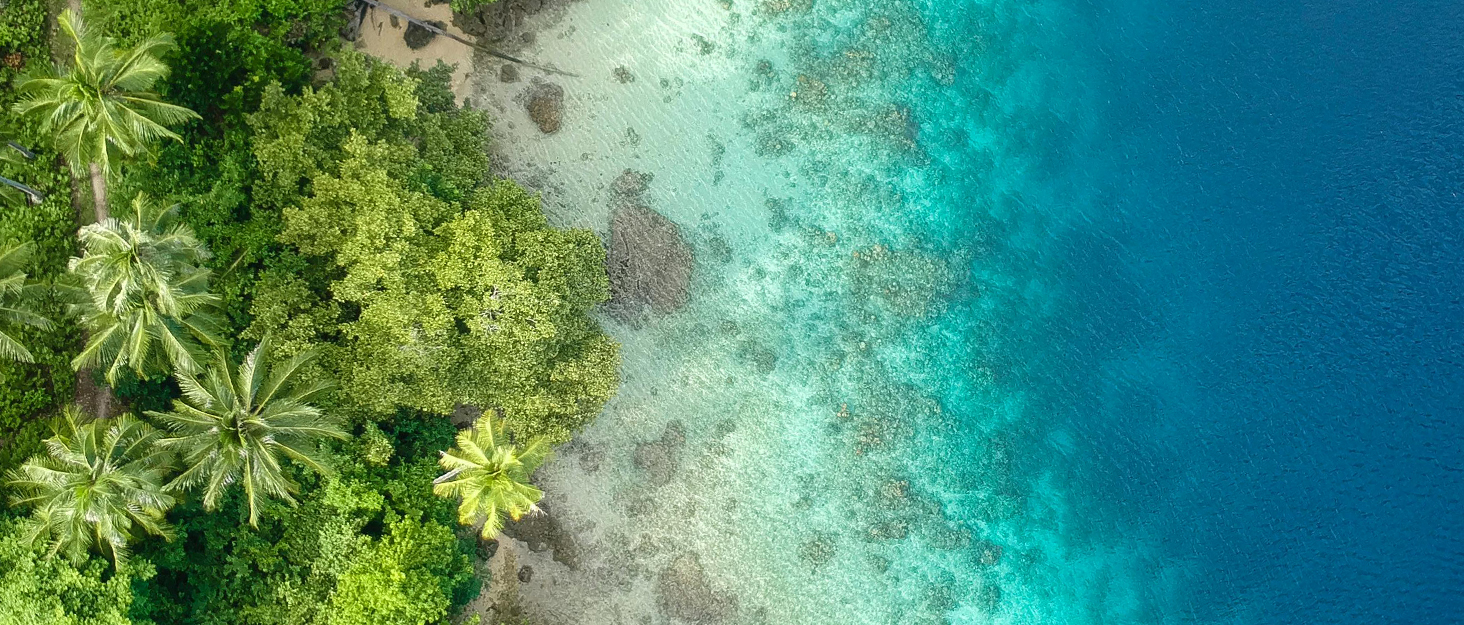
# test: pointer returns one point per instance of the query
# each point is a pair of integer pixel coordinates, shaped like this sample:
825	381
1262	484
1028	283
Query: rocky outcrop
545	103
685	593
494	22
648	261
418	37
541	532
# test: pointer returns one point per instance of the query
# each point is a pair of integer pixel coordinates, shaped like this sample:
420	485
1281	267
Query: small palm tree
16	298
235	425
148	302
489	475
96	485
101	109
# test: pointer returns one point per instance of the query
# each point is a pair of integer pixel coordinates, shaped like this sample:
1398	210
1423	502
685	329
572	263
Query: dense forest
275	346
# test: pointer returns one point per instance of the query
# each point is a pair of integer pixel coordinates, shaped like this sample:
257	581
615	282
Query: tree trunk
99	192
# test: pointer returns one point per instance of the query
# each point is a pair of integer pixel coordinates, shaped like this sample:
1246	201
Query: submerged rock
545	103
685	593
988	553
541	532
662	457
508	73
648	261
818	551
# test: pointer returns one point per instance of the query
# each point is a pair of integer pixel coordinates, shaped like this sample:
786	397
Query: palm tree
148	301
489	474
101	110
96	485
16	298
234	424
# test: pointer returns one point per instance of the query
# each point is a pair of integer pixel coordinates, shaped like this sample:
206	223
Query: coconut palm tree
148	305
489	474
16	298
236	425
101	109
97	485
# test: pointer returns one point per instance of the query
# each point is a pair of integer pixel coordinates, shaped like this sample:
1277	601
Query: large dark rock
545	102
541	532
494	22
648	261
685	593
418	37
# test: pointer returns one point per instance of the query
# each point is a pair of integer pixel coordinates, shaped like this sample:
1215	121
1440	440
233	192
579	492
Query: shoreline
804	375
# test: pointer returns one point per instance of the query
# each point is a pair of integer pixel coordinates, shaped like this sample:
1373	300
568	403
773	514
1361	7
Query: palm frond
235	425
488	475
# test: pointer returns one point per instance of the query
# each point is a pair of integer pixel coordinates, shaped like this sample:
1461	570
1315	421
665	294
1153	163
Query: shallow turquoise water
1030	312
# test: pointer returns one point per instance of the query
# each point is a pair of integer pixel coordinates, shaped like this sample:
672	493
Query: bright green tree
148	304
101	110
449	289
16	298
399	579
488	473
97	485
236	424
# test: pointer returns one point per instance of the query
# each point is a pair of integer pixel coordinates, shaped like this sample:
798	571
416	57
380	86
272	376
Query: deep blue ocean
1257	368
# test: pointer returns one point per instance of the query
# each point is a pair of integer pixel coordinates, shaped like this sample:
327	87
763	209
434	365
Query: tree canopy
457	289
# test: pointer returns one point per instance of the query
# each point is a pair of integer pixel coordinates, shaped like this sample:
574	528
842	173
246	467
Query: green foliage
98	485
467	6
37	590
489	476
23	40
303	24
371	545
449	291
28	392
18	301
147	304
398	580
101	109
236	424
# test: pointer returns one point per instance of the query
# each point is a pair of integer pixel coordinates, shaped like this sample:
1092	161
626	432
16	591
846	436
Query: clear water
1114	311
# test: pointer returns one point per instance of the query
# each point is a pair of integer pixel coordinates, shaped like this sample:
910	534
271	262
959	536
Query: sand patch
385	36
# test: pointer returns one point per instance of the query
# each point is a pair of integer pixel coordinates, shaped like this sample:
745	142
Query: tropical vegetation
100	111
148	305
312	278
97	486
235	425
489	476
17	297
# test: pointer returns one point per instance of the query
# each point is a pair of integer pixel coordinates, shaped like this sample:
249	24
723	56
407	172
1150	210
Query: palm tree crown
101	110
96	484
16	297
234	424
148	300
489	475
